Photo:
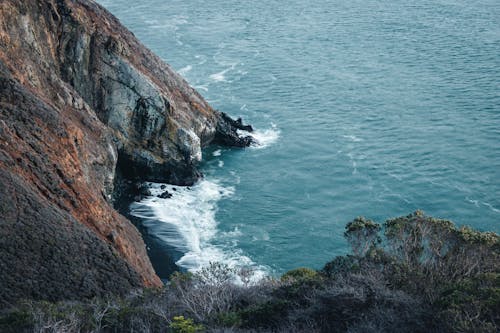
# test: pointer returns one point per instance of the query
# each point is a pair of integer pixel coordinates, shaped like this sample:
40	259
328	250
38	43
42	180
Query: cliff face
79	96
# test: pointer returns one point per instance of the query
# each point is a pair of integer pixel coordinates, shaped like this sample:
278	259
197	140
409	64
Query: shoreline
162	256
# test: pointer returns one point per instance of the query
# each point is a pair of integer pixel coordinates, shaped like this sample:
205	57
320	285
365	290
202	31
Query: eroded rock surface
79	97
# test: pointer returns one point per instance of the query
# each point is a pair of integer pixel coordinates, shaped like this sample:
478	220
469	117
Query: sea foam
263	138
221	76
184	70
190	224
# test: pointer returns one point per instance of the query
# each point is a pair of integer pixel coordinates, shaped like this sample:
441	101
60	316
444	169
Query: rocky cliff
80	98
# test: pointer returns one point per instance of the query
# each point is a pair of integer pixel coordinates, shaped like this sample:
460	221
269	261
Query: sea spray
189	225
263	138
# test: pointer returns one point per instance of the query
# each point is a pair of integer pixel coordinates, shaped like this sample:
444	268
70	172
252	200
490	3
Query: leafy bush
362	234
271	314
341	265
182	325
299	275
229	319
472	305
15	320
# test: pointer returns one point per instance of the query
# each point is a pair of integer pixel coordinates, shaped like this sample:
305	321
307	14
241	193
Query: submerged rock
165	195
143	189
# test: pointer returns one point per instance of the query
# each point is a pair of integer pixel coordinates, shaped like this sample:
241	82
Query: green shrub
16	320
229	319
185	325
472	305
266	315
341	265
300	274
180	279
362	235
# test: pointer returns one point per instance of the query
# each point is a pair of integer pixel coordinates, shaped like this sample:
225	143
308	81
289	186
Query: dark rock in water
137	191
143	190
227	134
238	123
174	189
163	187
165	195
247	128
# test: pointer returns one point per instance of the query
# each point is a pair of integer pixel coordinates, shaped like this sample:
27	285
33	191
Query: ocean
362	108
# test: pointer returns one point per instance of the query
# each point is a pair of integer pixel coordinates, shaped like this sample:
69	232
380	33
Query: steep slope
80	95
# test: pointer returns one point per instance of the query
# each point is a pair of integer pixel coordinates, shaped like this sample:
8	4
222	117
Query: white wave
353	163
184	70
203	87
172	23
202	58
264	236
151	22
191	227
236	178
353	138
478	203
234	233
490	206
263	138
221	76
220	164
472	201
216	153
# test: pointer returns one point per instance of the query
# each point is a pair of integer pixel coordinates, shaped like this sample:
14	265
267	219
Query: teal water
373	108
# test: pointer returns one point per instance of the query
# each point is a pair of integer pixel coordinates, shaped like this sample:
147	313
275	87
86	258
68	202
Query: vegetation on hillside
411	274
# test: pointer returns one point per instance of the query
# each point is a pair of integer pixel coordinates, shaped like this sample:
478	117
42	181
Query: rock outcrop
81	97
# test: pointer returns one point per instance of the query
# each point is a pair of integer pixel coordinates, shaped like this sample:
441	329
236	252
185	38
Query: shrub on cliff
410	274
300	274
452	271
472	305
182	325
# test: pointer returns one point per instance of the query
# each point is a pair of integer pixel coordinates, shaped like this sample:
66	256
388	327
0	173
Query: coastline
162	256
